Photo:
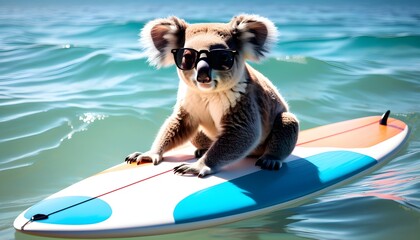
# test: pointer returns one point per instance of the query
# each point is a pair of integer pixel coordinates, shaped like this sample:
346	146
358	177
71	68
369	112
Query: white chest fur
208	108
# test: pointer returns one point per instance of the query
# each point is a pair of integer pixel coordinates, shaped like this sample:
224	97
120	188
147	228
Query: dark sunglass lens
222	59
185	58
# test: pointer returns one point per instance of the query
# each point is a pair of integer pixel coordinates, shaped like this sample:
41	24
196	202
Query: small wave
108	30
64	71
383	89
31	140
352	47
297	70
391	41
23	165
38	58
27	130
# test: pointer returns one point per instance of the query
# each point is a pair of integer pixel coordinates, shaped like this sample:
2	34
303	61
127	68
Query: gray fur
236	113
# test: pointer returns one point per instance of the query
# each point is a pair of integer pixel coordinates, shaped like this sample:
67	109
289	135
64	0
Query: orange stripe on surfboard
358	133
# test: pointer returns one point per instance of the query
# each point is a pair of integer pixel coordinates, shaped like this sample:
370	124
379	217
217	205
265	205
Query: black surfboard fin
36	217
384	118
39	216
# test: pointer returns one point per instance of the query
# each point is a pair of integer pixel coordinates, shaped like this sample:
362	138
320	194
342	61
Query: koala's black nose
203	71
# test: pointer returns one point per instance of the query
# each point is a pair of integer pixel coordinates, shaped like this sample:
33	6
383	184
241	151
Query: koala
225	108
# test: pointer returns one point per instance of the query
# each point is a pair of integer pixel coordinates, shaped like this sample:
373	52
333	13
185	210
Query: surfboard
136	200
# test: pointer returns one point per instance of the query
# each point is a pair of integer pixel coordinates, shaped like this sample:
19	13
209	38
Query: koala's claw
192	169
181	169
132	157
269	163
142	157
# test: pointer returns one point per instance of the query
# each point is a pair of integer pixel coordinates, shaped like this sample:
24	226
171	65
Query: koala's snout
203	72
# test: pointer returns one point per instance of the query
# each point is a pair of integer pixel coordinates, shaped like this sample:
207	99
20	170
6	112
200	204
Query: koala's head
211	56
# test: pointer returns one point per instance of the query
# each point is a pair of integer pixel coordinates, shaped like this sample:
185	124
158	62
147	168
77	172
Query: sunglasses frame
208	56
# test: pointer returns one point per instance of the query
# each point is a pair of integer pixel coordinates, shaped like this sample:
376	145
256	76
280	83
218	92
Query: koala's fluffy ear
160	36
255	35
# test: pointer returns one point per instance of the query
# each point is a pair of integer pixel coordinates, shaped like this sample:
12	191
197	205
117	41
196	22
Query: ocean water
77	96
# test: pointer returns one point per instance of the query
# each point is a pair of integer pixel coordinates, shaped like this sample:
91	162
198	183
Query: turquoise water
76	96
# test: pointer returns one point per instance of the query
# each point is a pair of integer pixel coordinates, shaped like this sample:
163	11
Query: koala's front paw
269	162
196	168
142	157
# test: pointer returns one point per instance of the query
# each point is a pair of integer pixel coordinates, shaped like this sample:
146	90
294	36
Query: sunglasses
218	59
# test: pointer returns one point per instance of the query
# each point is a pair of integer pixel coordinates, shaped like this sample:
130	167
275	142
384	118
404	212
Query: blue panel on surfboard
71	210
267	188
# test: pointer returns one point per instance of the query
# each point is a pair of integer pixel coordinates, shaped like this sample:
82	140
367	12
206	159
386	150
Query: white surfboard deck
130	200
